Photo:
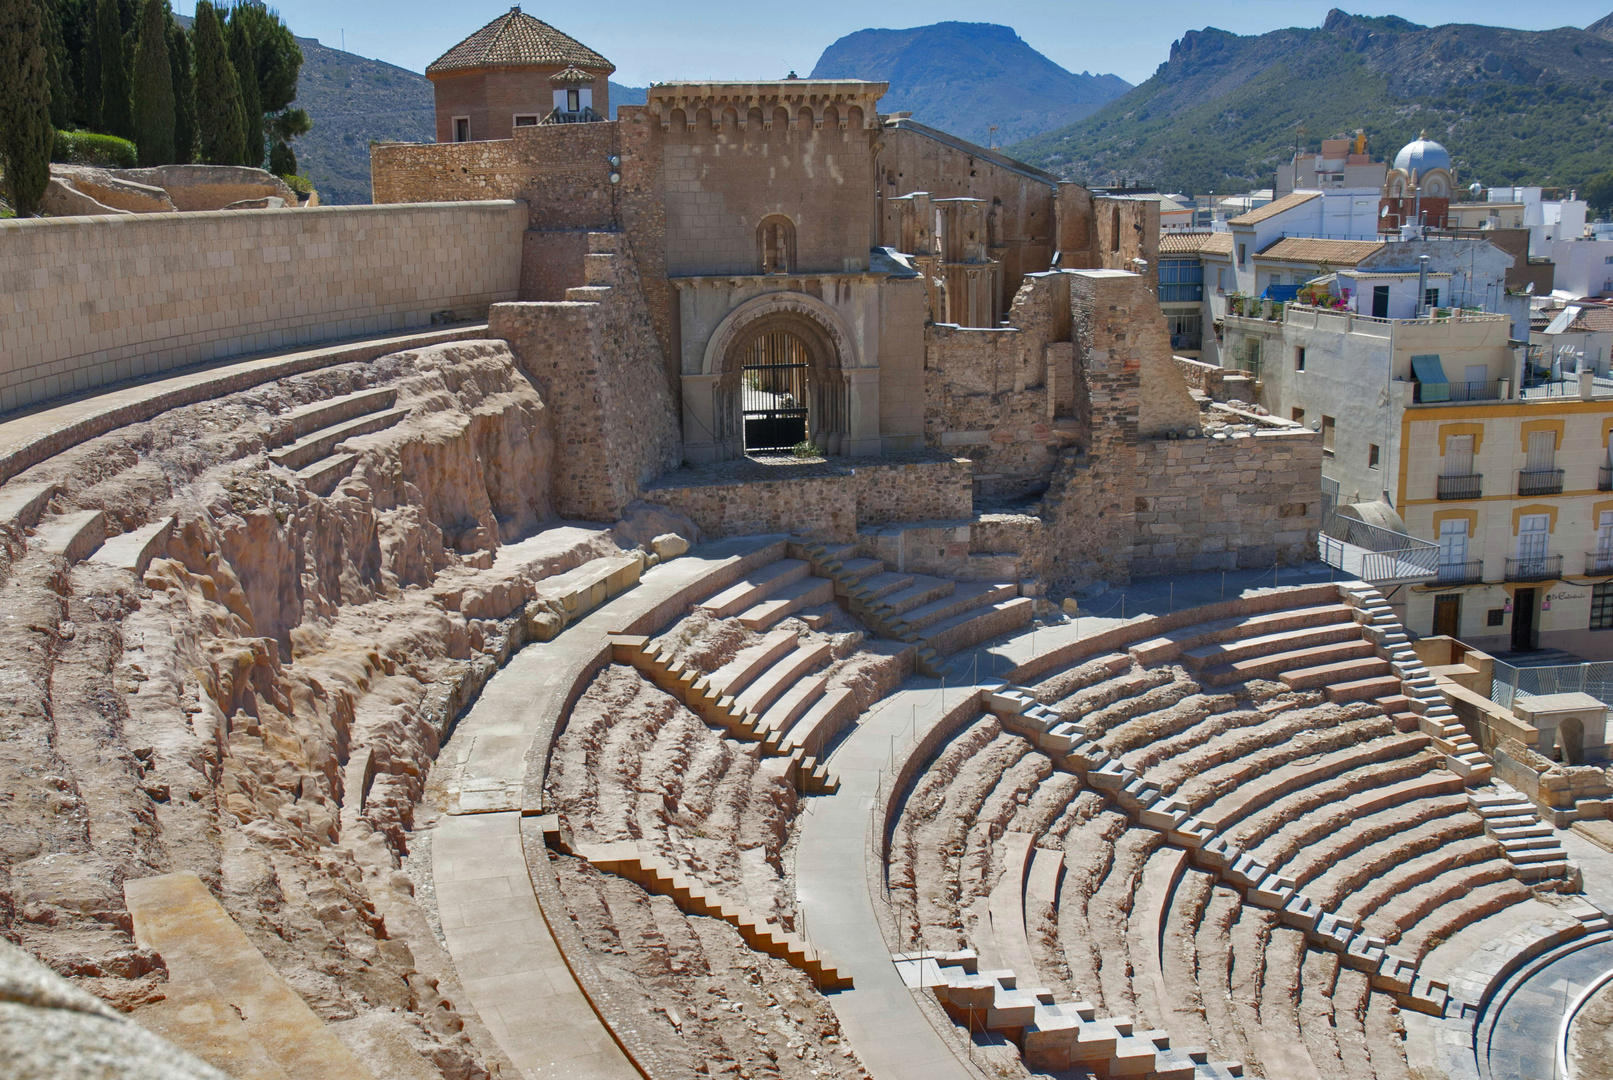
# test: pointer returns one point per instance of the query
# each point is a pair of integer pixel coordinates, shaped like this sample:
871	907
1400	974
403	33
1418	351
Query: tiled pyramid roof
516	39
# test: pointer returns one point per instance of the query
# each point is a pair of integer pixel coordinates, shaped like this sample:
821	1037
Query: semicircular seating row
1233	832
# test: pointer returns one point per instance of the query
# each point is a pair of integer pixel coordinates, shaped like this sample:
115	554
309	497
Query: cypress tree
153	88
90	54
56	66
117	112
26	135
184	78
220	123
244	58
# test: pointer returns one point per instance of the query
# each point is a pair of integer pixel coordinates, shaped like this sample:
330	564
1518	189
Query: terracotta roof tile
1195	243
1332	252
516	39
1271	209
1594	320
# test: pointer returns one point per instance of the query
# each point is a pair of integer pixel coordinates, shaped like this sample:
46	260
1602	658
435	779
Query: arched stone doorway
776	371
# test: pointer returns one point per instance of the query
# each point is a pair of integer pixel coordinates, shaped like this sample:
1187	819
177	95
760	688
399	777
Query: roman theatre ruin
642	599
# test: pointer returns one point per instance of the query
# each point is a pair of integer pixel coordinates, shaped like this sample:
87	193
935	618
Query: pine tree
26	135
220	122
184	76
56	66
244	58
117	112
153	88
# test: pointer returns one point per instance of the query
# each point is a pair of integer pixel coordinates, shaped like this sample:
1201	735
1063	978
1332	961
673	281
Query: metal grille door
775	393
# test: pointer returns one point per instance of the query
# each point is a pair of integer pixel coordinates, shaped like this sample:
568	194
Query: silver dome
1422	155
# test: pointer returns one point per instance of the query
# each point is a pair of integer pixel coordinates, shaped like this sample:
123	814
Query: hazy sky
729	39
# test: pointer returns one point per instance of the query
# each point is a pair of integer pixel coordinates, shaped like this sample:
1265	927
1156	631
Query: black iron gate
775	393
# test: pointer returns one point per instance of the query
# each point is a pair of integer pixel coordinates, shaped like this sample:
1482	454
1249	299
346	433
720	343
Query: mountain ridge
1512	106
1005	84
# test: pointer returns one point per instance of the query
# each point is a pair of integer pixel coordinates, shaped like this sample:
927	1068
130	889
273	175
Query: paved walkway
880	1017
508	963
502	948
29	437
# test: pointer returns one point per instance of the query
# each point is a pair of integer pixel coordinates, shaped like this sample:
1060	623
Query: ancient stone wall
913	491
599	368
722	179
562	172
89	301
830	506
1090	505
1225	504
1018	202
986	391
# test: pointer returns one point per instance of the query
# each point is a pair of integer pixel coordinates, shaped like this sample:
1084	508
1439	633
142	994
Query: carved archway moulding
779	308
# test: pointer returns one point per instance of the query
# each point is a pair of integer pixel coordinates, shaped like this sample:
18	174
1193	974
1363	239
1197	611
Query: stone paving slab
881	1018
228	1006
506	958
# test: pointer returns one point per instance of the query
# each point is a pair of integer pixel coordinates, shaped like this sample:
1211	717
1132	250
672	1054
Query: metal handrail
1598	563
1463	486
1540	481
1539	568
1386	555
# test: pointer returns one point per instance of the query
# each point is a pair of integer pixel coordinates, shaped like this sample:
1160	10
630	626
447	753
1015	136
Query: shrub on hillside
88	148
300	184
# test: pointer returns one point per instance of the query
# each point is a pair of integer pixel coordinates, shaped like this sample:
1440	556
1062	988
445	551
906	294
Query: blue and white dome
1421	156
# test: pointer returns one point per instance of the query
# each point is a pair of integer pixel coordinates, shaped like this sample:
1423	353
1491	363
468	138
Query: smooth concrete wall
87	301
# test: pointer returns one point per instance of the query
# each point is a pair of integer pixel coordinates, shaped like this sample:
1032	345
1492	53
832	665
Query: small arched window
776	238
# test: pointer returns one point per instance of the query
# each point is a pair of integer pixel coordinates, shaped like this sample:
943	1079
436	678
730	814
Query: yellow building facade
1517	494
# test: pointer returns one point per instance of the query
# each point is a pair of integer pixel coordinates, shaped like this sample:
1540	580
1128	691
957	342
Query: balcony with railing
1463	486
1486	390
1535	568
1604	479
1540	481
1466	572
1598	563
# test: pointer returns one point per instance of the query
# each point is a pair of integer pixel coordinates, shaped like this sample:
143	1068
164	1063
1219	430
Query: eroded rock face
263	705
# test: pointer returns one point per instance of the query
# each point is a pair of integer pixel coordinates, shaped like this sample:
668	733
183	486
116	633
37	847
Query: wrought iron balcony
1466	486
1538	568
1604	481
1467	572
1540	481
1599	563
1488	390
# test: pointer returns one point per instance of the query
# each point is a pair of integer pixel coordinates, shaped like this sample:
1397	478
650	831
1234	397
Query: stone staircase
306	439
774	592
936	615
765	706
659	876
1529	844
1052	1035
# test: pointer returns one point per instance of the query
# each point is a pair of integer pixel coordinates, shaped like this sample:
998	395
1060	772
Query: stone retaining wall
89	301
1222	504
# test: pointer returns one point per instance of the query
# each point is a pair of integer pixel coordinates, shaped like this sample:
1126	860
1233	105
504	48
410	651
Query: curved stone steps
1342	870
1308	846
1318	795
1248	782
1132	740
1237	742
